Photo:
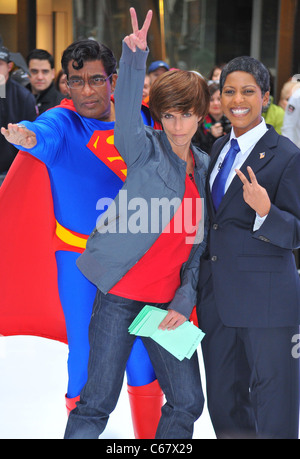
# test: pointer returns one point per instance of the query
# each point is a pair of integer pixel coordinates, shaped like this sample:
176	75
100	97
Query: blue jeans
110	346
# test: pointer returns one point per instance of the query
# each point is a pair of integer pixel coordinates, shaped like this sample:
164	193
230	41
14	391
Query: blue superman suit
249	298
82	166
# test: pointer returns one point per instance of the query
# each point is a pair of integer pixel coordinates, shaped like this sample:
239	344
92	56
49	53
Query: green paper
147	321
181	342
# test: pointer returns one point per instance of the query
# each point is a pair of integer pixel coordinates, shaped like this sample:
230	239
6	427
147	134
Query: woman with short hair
150	255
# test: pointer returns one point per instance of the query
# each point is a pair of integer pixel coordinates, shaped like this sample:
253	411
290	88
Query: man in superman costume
48	207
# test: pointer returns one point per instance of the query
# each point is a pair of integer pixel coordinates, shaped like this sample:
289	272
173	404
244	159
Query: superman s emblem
102	145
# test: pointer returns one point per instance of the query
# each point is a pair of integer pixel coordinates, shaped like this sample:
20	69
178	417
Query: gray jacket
154	188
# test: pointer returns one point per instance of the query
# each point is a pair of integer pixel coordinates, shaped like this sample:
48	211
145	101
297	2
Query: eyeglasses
79	83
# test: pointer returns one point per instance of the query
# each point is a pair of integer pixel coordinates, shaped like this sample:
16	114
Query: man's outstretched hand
19	135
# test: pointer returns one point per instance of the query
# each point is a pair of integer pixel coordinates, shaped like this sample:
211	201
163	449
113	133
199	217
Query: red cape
29	302
29	299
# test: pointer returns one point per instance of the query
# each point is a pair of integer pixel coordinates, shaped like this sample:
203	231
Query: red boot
145	403
71	403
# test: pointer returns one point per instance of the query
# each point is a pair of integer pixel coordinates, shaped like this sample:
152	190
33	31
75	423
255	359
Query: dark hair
181	91
82	51
213	87
42	55
249	65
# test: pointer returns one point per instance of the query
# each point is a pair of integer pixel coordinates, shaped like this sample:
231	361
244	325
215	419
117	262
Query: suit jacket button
215	226
262	238
214	258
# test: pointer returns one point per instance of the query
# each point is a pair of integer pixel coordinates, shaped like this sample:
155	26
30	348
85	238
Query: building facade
189	34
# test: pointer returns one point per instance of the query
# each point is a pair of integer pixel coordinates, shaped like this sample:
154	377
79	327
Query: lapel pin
262	155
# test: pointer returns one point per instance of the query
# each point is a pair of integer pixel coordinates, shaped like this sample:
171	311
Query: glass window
191	33
198	34
269	32
108	21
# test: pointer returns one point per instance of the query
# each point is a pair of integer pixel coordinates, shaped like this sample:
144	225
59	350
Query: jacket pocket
260	263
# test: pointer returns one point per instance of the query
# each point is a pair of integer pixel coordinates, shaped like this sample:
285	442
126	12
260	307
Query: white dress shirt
246	143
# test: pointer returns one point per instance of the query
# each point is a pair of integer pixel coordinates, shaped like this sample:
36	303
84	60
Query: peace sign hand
139	37
255	195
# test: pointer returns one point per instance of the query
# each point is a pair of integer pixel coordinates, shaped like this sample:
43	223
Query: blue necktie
218	188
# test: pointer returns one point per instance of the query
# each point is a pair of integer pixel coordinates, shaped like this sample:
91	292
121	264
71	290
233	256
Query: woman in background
215	124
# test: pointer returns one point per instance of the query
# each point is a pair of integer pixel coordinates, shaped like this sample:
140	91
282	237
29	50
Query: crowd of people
166	134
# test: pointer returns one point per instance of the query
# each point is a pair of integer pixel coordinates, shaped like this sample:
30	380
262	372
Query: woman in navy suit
249	288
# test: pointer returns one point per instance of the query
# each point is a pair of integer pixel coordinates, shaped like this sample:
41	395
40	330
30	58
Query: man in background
156	69
16	103
42	74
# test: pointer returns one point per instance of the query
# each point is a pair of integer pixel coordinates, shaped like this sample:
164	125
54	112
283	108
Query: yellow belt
70	238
